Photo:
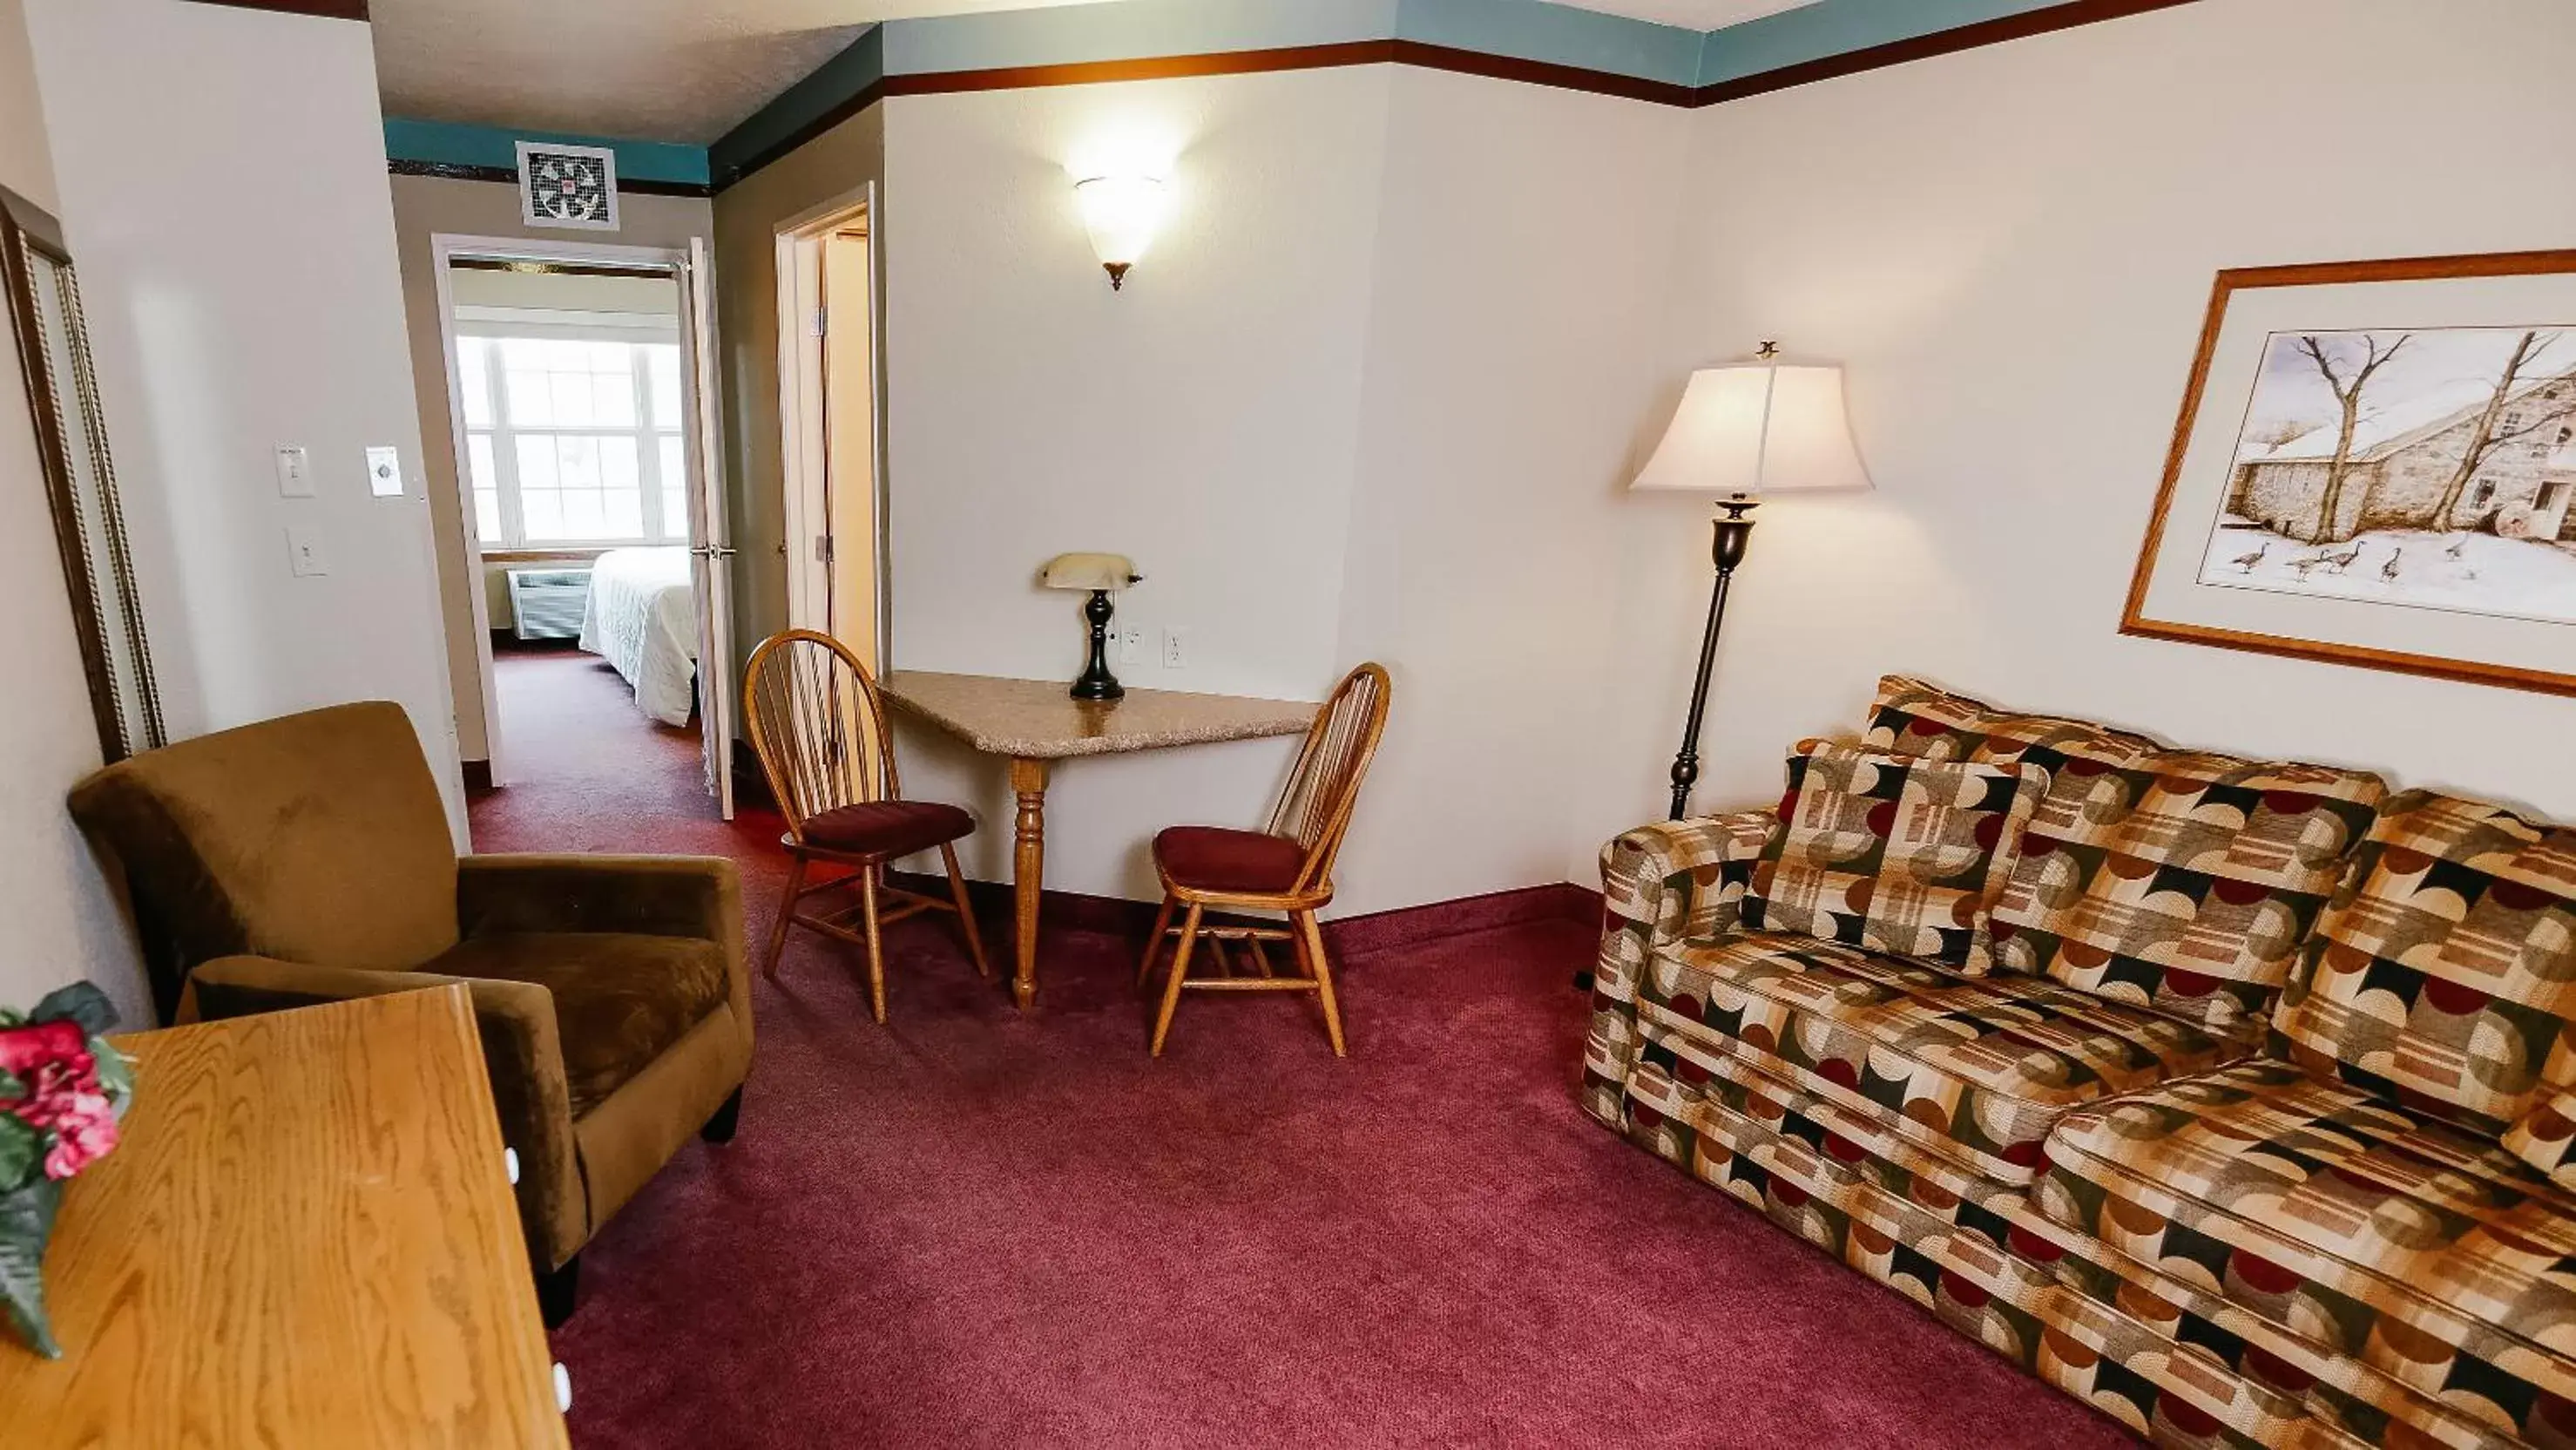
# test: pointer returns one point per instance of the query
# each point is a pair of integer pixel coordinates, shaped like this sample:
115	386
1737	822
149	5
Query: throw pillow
2443	973
1892	853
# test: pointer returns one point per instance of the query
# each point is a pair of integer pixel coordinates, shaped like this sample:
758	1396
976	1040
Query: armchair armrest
699	896
1663	883
516	1022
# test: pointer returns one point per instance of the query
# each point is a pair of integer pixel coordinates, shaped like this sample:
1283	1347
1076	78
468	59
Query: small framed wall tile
567	186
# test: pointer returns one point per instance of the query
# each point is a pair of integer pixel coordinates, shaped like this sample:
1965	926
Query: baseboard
1376	931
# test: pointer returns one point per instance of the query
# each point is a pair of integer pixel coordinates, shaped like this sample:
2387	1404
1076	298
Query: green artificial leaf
11	1017
26	1221
115	1077
11	1085
22	1149
82	1003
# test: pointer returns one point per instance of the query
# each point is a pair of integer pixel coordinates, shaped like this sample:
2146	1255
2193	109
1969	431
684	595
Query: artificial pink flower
84	1132
25	1048
63	1098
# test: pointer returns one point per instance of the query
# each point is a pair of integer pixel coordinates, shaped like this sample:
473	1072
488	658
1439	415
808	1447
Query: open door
712	554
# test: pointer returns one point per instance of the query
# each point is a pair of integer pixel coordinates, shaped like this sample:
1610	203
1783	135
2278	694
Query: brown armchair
307	859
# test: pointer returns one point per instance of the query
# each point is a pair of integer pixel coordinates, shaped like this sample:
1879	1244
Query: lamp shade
1756	428
1089	571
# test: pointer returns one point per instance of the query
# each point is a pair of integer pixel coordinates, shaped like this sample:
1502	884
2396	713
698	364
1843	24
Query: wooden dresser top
306	1237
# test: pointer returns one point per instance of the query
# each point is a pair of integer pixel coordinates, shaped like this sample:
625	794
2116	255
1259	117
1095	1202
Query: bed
642	617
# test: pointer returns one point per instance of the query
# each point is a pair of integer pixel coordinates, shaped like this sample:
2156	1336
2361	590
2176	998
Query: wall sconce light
1121	213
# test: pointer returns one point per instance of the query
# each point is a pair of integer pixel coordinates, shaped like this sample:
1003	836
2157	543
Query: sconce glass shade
1755	428
1122	214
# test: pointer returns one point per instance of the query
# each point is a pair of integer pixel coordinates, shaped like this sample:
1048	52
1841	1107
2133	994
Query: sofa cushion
2175	879
2444	974
1893	853
1973	1068
2398	1241
621	1000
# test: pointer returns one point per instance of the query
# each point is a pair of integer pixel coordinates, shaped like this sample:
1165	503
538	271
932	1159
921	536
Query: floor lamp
1744	429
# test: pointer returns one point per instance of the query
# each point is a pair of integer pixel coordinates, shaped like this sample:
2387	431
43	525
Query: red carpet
973	1228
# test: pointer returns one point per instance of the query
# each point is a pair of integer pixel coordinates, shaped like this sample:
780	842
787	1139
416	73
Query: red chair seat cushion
887	828
1213	858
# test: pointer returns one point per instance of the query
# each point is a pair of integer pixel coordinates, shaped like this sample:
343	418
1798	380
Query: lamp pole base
1726	550
1096	682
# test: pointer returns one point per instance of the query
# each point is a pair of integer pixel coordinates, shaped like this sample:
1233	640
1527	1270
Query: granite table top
1038	720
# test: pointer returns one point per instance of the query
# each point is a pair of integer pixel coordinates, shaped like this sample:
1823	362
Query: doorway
831	398
593	532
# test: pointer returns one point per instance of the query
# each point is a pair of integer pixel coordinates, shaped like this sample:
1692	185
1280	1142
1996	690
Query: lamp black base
1726	550
1096	682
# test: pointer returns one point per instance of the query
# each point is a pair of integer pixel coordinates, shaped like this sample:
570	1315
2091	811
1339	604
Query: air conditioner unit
548	603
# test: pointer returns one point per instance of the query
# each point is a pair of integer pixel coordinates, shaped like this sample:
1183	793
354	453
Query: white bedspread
643	618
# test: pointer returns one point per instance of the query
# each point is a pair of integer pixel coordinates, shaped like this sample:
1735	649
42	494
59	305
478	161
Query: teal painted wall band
449	143
1838	27
854	72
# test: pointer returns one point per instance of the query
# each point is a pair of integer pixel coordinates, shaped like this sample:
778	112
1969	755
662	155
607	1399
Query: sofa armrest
1663	883
516	1023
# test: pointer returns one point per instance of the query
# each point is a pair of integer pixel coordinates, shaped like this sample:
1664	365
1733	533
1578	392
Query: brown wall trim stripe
459	171
1925	47
327	9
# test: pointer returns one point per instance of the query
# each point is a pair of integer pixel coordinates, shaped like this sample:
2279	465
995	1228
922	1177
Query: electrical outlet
1176	649
1131	644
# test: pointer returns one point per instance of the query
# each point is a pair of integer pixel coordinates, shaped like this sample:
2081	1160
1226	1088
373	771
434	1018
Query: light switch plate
1176	649
384	471
1131	644
294	472
304	550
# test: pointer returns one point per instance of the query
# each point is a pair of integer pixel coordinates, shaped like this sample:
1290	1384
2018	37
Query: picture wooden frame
2172	595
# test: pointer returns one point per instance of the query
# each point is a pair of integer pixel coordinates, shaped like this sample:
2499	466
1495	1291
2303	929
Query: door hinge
822	321
823	548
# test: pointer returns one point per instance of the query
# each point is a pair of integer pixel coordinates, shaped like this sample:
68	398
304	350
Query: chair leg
1180	974
1154	943
876	953
786	915
557	1291
720	1127
1313	936
965	912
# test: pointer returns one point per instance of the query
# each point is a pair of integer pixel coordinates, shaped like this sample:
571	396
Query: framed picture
2376	465
567	186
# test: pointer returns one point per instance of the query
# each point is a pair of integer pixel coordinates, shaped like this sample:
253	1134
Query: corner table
1034	723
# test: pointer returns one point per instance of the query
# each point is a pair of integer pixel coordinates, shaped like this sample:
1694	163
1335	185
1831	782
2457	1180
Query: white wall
1525	257
63	923
1204	421
2012	249
239	269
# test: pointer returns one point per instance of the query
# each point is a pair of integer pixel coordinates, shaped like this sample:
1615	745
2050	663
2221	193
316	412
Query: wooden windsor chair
1285	867
819	726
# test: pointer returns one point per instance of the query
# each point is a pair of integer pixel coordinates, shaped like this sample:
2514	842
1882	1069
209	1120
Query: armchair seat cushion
1216	858
2380	1233
888	828
621	1000
1975	1069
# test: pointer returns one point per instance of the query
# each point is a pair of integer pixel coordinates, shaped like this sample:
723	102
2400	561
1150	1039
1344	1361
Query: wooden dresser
307	1238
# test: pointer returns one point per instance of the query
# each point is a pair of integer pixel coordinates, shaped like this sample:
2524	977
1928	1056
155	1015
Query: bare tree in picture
2348	393
2486	437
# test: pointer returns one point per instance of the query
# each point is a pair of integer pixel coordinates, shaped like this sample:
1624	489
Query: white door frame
444	249
804	455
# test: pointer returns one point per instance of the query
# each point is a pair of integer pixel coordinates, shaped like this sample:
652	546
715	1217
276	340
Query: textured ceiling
688	70
655	70
1695	14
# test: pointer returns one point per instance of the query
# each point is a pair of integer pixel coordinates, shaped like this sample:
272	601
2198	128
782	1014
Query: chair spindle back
1315	810
818	724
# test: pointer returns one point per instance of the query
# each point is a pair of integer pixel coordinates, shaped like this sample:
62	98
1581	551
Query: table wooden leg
1028	874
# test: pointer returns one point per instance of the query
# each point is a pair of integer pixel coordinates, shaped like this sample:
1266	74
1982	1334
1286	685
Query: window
573	439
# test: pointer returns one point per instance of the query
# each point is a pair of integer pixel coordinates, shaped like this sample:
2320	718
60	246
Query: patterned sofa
2251	1134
